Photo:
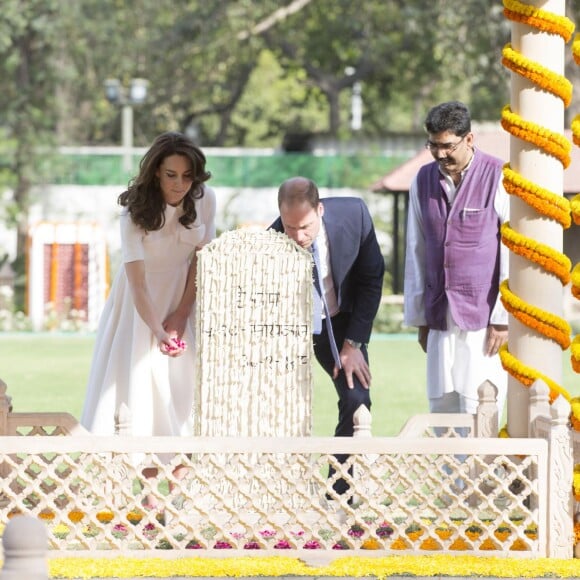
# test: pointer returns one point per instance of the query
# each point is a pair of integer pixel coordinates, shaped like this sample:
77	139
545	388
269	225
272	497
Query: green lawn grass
48	372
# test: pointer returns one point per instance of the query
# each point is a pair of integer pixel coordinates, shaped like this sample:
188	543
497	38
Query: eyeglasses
446	148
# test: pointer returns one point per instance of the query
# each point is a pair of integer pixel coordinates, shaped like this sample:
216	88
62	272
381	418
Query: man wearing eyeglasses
455	261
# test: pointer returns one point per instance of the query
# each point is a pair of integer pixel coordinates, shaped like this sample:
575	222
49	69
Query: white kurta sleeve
414	283
502	207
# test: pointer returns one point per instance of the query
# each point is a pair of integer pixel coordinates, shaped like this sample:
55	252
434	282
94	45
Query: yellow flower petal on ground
356	566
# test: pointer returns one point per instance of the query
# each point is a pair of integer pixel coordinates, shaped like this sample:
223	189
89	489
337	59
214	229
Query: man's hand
497	334
353	362
423	336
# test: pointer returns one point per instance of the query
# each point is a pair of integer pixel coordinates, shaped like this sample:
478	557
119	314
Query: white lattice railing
261	496
426	491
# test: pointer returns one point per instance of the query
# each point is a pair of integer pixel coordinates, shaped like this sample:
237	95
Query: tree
203	59
29	36
403	54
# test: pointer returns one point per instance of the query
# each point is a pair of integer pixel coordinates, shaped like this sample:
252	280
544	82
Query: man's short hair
452	116
297	190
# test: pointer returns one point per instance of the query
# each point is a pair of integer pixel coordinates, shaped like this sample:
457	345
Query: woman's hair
144	199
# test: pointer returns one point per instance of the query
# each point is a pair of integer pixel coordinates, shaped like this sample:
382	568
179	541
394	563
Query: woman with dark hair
144	356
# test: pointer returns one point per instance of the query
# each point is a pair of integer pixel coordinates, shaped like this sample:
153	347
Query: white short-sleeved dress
127	366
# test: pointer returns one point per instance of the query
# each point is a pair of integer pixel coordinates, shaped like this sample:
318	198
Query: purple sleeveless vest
462	244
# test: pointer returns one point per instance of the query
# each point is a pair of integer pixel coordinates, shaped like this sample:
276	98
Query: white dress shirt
326	272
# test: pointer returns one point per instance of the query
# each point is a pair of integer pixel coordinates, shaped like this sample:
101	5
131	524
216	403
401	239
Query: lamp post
356	107
356	104
126	98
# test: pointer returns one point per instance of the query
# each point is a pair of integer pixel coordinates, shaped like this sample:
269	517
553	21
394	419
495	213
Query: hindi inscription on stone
254	329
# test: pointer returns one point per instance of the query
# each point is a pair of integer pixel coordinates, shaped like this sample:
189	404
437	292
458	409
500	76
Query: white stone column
528	281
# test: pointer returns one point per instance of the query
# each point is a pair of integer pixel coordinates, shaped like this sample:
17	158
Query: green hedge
355	171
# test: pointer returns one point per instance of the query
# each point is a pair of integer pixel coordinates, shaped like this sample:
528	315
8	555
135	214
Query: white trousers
456	367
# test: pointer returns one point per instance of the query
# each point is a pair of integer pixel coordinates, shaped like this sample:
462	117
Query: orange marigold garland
575	278
538	18
576	533
550	142
575	288
575	356
535	318
576	49
575	126
545	202
527	375
549	259
576	489
541	76
575	414
575	207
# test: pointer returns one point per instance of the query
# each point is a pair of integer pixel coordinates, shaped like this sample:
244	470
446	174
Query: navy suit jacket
356	262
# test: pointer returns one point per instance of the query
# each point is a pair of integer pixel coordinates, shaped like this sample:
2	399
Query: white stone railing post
486	424
560	475
487	416
5	408
362	420
25	547
123	420
539	406
540	417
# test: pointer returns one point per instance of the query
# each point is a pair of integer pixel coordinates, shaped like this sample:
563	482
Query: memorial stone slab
254	336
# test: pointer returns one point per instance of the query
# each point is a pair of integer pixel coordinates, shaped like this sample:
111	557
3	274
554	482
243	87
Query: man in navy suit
351	271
